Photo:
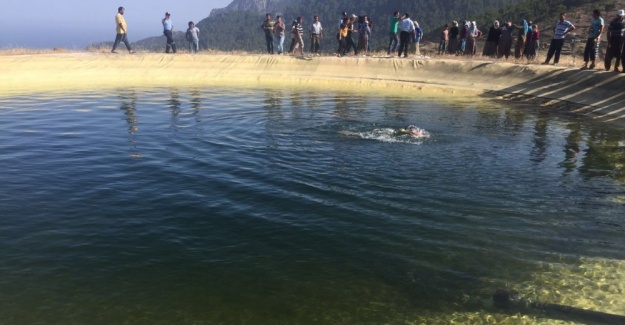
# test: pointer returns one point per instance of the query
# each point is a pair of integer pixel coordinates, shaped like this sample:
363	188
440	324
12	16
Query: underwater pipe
511	300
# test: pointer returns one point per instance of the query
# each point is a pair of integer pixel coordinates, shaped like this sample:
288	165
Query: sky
73	24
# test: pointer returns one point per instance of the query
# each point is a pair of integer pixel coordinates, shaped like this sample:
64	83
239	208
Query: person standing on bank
193	37
418	37
562	28
492	40
122	31
616	33
279	29
592	44
168	30
392	33
533	43
267	27
316	34
519	48
406	33
454	31
505	41
444	39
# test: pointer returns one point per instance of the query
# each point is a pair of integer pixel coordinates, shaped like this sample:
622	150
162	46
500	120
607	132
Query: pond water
225	206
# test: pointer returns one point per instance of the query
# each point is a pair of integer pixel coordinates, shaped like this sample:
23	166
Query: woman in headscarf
492	40
453	38
505	41
533	43
474	34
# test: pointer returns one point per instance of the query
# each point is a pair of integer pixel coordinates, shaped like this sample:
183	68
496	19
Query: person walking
492	40
279	29
454	31
122	31
193	37
444	40
392	33
340	37
168	30
316	35
562	28
349	40
297	32
267	27
591	52
616	33
406	33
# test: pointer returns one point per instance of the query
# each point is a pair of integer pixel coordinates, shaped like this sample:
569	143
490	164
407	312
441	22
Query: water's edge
591	93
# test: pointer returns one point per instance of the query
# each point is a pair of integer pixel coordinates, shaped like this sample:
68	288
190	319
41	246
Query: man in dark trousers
122	31
562	28
406	33
591	51
168	30
616	31
267	27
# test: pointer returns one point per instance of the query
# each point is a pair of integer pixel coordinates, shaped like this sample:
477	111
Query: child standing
193	37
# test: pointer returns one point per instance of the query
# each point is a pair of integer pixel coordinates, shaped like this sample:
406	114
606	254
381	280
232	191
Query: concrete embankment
595	93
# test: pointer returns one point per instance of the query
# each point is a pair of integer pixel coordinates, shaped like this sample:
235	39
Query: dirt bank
598	94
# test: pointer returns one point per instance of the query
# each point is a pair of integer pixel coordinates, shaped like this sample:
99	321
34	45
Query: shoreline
593	93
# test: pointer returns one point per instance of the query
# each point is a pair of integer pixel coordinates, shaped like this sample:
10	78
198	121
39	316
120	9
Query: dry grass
27	51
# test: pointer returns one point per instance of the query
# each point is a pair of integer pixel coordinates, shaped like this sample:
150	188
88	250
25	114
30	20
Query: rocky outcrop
260	6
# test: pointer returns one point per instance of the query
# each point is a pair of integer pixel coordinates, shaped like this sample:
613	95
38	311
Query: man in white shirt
407	32
316	34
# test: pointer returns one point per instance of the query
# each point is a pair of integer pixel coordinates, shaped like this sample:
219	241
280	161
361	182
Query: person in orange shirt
122	31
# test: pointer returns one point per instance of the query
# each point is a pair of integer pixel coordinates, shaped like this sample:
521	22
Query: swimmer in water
411	130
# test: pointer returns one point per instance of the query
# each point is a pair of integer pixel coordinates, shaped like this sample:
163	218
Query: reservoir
271	206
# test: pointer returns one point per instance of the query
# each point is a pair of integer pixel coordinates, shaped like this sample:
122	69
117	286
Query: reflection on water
128	99
541	141
254	207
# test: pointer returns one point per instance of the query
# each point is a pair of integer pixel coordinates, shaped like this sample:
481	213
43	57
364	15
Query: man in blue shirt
168	30
407	32
562	28
592	44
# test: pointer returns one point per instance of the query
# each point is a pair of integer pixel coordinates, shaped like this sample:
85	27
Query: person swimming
410	130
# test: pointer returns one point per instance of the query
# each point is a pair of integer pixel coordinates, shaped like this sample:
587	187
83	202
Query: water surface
225	206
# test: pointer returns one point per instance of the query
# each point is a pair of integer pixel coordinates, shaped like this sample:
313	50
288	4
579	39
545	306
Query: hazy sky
75	23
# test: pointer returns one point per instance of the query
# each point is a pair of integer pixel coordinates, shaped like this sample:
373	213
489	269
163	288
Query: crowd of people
354	33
